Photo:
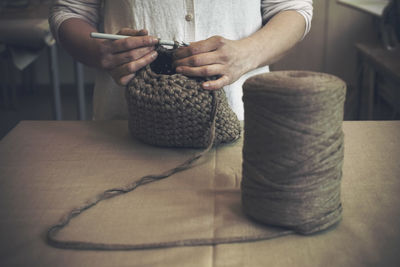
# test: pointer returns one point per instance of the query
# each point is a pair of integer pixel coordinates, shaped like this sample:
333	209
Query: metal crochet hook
172	43
118	37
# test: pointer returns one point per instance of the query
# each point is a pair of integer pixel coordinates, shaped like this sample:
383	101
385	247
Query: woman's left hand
215	56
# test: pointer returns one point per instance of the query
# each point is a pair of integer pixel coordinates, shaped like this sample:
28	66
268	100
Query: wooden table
47	168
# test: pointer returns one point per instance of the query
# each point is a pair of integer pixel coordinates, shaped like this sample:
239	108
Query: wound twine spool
293	149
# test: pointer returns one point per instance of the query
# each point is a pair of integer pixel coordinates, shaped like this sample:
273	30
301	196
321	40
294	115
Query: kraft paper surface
48	168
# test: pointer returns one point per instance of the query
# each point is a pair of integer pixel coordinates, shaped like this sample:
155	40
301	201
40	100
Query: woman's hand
215	56
122	58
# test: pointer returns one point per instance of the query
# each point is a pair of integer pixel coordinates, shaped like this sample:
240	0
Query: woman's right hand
122	58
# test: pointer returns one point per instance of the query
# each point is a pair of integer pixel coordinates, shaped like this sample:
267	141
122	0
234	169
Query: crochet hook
118	37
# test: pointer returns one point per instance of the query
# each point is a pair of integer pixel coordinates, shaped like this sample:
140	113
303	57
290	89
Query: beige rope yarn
293	149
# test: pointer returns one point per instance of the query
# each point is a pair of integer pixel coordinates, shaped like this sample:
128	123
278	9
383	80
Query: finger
216	84
129	56
202	71
132	32
200	60
133	42
125	79
143	32
131	67
199	47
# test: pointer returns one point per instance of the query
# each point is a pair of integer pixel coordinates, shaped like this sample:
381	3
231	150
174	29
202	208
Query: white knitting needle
118	37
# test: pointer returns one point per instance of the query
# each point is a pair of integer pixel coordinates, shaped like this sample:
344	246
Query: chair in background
24	33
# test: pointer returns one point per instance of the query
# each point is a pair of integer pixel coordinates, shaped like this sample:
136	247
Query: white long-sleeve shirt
181	20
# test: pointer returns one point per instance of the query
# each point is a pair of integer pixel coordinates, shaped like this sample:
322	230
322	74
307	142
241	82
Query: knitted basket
172	110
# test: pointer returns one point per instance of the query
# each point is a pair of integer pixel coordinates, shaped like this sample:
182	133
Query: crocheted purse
169	109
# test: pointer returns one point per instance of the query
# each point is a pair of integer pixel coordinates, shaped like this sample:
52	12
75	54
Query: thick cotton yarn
170	109
293	149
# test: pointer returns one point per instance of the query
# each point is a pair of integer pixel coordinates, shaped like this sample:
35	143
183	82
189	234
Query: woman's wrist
251	54
276	38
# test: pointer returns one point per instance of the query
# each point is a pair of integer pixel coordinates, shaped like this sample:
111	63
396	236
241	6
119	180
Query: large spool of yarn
293	149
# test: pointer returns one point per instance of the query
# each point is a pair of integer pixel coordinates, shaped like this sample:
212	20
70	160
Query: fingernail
206	85
154	40
154	54
178	69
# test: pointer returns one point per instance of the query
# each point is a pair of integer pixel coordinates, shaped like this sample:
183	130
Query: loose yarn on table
110	193
293	150
165	109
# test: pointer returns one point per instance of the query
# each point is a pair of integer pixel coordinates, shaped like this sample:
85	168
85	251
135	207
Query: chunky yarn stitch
172	110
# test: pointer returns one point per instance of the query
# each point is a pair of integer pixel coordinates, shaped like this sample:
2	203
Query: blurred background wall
330	46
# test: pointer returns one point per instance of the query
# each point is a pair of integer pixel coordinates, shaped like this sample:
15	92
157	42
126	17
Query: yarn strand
51	235
113	192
